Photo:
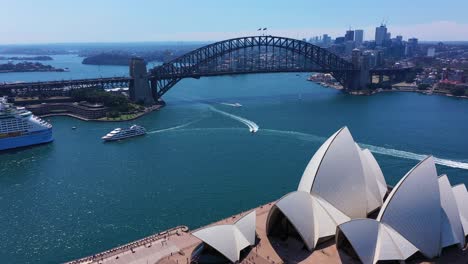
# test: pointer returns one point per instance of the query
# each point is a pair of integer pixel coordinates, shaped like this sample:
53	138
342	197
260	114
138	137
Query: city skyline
54	21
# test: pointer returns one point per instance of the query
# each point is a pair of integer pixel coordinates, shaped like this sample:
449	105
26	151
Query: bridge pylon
360	79
139	88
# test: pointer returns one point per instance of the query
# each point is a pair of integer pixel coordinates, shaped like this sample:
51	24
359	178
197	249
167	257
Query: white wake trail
173	128
253	127
414	156
375	149
230	104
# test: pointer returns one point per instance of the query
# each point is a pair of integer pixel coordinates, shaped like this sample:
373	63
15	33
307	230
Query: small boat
74	128
123	133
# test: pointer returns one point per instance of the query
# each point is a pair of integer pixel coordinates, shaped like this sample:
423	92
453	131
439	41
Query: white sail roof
452	229
312	217
381	242
336	175
341	182
413	208
354	230
461	196
420	214
229	240
392	246
376	187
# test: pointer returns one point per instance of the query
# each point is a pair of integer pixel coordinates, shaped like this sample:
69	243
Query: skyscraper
349	35
412	47
359	37
380	35
326	40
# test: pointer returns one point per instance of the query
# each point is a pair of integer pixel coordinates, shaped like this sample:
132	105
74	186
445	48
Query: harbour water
199	162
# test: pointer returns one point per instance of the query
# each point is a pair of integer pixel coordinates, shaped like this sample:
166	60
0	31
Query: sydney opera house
343	198
342	212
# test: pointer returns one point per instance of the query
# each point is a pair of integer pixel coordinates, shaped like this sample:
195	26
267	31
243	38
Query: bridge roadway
62	83
244	55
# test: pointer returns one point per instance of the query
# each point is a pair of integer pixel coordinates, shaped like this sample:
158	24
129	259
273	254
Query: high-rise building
380	35
431	52
349	47
399	39
412	47
340	40
359	37
349	35
326	40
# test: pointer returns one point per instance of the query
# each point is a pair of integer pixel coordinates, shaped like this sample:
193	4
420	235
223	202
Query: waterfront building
380	35
341	186
330	194
359	37
422	213
83	110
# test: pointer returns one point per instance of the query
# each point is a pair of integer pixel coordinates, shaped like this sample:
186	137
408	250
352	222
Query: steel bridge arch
165	76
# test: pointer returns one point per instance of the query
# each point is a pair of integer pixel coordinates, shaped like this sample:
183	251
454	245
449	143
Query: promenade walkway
176	246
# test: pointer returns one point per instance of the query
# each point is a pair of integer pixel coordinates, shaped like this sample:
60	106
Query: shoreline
376	91
147	111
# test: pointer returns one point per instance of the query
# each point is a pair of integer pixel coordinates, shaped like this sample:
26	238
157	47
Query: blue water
78	195
73	62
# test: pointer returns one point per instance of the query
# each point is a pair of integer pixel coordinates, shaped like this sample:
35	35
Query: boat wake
253	127
233	105
414	156
375	149
173	128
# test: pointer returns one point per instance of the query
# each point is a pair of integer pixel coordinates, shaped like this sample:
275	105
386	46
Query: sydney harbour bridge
245	55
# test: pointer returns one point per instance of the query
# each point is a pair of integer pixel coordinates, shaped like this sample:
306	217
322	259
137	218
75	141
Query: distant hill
108	59
35	58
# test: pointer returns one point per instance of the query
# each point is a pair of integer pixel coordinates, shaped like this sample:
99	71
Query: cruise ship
20	128
122	133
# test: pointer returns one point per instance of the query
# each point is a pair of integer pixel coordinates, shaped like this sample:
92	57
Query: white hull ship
20	128
123	133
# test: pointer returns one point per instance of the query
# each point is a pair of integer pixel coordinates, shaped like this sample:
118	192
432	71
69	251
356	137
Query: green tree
423	86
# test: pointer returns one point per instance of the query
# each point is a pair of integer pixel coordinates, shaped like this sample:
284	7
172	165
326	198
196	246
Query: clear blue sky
42	21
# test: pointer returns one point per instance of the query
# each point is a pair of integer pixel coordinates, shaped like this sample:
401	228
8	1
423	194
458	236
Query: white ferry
20	128
122	133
